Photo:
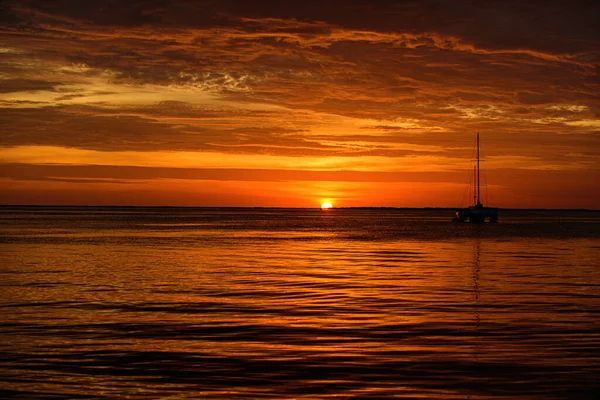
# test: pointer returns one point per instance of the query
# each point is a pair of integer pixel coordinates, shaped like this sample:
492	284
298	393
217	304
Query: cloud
400	82
26	85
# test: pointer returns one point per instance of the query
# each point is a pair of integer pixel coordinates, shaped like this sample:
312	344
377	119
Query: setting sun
326	205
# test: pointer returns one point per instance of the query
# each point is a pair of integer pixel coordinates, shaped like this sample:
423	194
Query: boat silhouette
477	213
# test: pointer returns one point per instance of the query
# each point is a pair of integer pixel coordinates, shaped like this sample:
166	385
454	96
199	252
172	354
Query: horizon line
288	208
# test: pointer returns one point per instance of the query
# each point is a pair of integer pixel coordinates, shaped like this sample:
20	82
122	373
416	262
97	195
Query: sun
326	205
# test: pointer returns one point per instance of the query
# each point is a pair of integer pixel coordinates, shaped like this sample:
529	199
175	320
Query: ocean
226	303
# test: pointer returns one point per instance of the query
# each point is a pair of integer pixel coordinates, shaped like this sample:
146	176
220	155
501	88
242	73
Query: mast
474	185
478	176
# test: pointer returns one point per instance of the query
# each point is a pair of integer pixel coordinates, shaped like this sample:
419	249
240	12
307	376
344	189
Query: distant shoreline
6	206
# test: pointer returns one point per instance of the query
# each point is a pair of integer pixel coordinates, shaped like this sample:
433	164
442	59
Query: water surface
306	304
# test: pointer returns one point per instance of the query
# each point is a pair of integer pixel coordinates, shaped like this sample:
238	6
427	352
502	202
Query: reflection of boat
476	266
477	213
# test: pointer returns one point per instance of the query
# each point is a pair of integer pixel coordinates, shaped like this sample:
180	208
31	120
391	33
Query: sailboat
477	213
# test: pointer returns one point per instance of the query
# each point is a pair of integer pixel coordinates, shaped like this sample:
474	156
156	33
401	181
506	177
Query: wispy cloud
334	84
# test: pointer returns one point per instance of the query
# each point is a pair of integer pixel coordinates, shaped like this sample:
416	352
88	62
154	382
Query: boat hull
477	215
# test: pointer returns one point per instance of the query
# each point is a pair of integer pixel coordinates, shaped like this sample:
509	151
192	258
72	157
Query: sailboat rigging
477	213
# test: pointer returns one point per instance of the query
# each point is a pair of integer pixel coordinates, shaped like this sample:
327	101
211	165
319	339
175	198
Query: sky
293	103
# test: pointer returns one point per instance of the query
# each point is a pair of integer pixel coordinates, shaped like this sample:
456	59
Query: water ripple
208	303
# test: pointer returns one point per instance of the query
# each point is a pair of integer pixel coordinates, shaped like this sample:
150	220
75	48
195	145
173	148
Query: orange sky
290	104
